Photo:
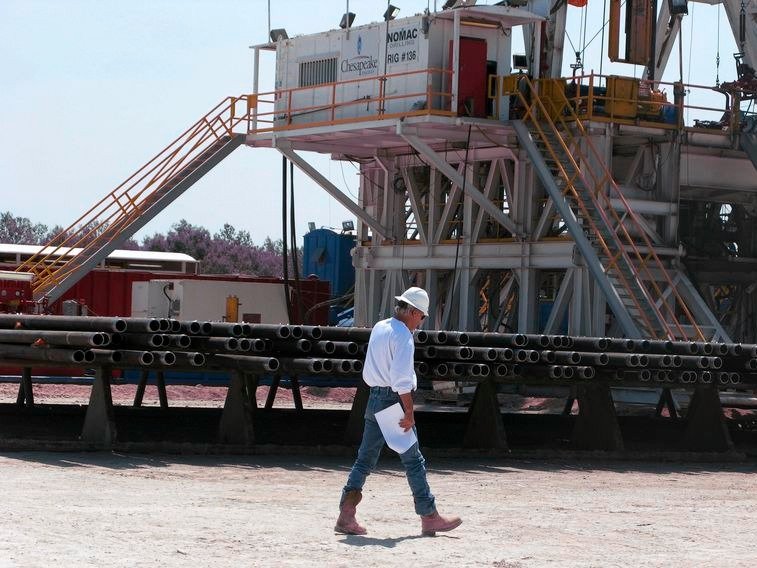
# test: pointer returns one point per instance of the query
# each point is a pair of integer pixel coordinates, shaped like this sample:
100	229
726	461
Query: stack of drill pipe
527	357
156	343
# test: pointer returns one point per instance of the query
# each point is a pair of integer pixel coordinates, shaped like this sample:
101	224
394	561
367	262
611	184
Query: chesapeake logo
402	35
362	65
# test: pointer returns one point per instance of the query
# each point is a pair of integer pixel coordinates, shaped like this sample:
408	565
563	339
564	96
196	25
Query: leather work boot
347	523
434	523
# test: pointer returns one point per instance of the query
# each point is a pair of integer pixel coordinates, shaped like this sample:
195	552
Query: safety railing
559	128
393	95
626	100
126	202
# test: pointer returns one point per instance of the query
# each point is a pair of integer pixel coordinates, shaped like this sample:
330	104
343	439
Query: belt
382	389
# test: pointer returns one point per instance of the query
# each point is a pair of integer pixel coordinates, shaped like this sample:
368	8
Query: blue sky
92	89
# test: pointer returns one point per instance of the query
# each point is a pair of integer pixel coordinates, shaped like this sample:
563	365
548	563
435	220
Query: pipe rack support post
356	422
100	423
25	396
596	426
139	395
667	401
251	389
706	430
160	381
236	425
485	427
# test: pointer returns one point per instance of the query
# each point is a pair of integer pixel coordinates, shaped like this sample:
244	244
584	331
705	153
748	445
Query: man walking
389	372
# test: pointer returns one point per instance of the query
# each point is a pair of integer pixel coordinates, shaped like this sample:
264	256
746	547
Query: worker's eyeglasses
423	316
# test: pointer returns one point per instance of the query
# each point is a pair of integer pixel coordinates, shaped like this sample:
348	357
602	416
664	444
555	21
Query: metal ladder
126	209
640	287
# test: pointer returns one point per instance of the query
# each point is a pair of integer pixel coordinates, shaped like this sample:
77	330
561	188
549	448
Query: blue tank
327	255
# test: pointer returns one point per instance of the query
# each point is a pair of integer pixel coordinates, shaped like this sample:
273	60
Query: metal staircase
126	209
648	296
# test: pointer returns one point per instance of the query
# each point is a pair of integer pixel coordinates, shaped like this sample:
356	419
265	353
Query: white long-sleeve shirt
390	360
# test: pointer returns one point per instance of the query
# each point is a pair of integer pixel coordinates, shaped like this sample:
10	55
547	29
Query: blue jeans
370	449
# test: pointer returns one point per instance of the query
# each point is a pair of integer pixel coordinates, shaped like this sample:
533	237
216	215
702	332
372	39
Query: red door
471	87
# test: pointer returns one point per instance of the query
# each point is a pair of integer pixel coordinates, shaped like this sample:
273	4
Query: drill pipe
700	362
107	356
621	345
526	355
660	346
440	369
221	329
215	343
296	348
590	343
140	340
684	347
42	354
491	339
567	357
266	331
243	344
244	362
182	341
357	365
548	357
660	360
501	370
143	358
314	332
534	341
434	351
448	337
164	358
68	338
325	348
300	365
142	325
349	348
197	327
584	372
60	323
175	326
484	353
189	359
357	334
342	365
505	354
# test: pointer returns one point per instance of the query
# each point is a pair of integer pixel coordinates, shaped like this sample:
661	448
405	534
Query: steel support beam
332	190
441	164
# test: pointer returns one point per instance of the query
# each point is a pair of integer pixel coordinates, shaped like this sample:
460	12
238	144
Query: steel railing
556	117
127	201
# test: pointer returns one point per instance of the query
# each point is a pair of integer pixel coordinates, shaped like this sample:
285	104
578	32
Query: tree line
228	251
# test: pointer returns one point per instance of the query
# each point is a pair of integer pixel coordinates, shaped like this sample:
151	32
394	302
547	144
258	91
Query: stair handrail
680	301
587	217
161	169
538	102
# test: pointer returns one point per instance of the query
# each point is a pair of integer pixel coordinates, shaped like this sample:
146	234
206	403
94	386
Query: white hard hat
416	297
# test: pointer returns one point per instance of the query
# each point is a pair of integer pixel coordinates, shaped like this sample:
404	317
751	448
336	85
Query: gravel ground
105	509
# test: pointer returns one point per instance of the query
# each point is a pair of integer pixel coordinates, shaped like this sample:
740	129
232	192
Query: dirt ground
103	509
